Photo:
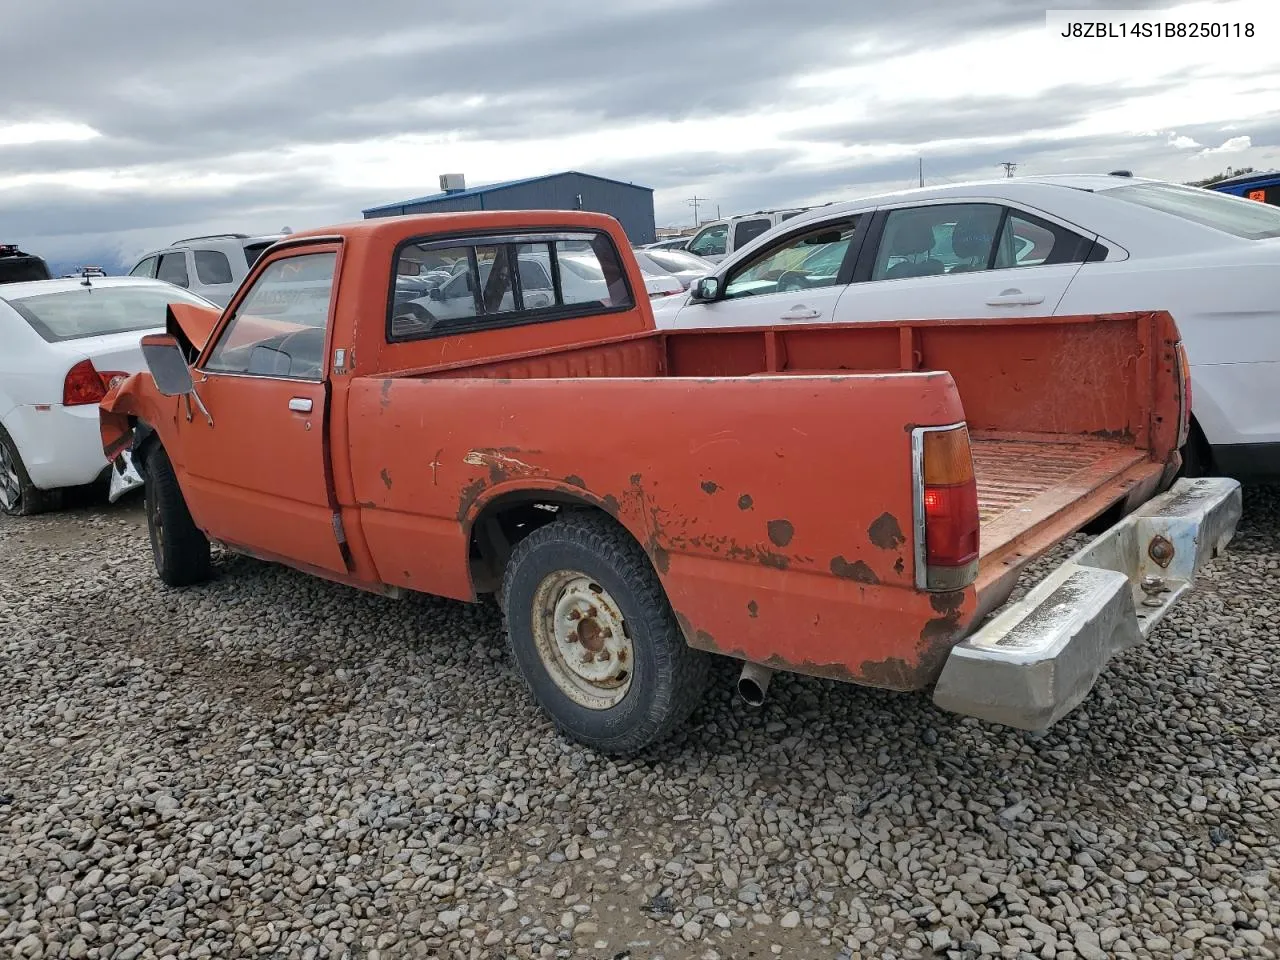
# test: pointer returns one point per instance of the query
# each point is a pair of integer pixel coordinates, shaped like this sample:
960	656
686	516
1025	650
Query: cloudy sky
127	124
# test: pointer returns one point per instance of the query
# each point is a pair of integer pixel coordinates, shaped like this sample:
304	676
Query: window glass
432	286
212	267
147	268
497	281
279	327
100	309
537	291
812	259
592	275
173	269
252	251
1028	241
931	240
711	242
675	261
747	230
1237	216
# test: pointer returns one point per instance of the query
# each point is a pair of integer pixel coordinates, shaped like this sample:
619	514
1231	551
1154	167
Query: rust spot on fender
775	560
635	479
947	603
661	558
575	480
367	504
856	570
610	503
753	609
386	478
745	502
710	486
685	626
705	640
781	532
470	494
885	532
385	399
899	566
892	674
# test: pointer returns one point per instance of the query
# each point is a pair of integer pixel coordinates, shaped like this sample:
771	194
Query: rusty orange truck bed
844	501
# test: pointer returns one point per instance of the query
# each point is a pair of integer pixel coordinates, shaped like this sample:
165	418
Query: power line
693	202
1009	167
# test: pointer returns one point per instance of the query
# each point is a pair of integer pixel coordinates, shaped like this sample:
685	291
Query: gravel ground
271	766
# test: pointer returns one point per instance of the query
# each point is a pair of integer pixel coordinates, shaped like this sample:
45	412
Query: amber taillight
1184	378
947	525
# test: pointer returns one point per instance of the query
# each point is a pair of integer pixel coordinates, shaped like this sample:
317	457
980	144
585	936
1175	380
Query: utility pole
1009	167
922	171
693	202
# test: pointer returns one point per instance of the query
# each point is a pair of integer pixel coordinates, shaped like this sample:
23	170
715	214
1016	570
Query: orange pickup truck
852	502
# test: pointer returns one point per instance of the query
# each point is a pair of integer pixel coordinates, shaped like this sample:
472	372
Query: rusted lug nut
1160	550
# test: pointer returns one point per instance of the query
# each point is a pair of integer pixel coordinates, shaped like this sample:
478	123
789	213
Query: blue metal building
630	204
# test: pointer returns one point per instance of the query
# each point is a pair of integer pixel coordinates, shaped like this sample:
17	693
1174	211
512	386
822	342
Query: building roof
491	187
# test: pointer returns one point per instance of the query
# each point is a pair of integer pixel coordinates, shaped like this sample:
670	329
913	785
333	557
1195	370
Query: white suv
211	266
719	238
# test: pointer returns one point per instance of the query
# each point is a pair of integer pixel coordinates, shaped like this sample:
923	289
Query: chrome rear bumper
1037	659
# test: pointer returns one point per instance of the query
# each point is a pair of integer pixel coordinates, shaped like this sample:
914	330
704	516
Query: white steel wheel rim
10	486
582	639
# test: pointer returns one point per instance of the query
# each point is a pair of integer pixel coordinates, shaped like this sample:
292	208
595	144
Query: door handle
799	312
300	404
1015	298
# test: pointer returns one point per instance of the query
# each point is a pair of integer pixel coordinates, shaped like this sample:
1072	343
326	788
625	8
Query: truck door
258	476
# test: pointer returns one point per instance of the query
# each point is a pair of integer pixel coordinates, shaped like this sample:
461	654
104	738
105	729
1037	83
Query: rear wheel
181	552
595	638
19	497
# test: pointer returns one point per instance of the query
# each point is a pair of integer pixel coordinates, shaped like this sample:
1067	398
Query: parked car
17	266
658	280
62	343
846	502
673	243
684	266
211	266
1039	247
719	238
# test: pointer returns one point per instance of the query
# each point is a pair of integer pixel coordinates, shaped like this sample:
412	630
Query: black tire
667	678
19	497
180	551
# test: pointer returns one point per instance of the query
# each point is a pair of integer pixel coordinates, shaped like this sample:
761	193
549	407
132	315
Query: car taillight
1184	378
85	384
947	524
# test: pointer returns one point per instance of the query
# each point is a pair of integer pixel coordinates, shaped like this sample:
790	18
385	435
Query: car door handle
300	404
1015	298
801	313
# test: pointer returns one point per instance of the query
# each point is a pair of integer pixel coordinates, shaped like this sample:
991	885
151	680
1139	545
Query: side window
501	283
711	242
147	268
942	238
279	327
212	267
812	259
173	269
1028	241
747	230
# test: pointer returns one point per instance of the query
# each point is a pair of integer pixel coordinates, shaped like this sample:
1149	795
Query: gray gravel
271	766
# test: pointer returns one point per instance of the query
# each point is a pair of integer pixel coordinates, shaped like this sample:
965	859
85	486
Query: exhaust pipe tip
753	683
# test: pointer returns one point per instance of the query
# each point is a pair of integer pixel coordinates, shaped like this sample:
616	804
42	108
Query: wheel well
508	519
1196	438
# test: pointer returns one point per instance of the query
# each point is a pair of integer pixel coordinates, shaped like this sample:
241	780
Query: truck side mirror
705	289
167	364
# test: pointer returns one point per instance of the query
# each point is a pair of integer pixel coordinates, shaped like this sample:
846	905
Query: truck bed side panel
791	496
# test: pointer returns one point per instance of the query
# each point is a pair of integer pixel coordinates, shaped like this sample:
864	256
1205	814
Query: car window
936	239
98	310
676	260
1237	216
565	276
146	268
711	242
747	230
212	267
173	269
811	259
252	251
279	327
1028	241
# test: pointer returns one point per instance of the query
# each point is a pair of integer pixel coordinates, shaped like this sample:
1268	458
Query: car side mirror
706	289
168	364
436	293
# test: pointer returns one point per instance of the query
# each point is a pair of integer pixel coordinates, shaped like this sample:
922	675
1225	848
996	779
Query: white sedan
1034	247
62	343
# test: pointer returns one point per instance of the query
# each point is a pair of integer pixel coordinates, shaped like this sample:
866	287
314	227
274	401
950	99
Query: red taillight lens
82	385
948	557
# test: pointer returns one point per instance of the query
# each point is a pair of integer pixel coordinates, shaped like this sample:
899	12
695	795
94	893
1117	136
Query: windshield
1247	219
97	310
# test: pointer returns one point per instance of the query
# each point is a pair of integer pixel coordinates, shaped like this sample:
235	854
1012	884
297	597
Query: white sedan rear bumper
60	446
